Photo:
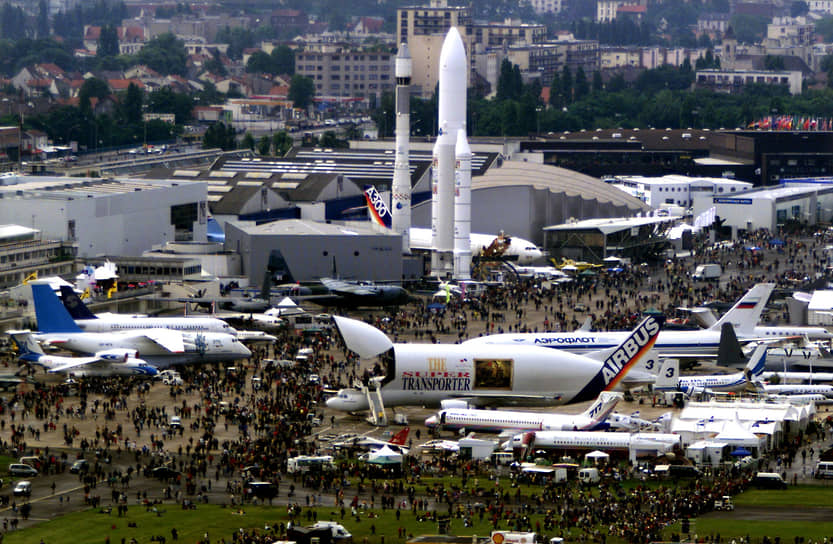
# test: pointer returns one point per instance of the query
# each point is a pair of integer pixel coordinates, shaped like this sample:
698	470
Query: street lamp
538	110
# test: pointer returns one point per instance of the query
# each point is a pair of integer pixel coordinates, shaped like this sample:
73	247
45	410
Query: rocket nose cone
453	53
404	52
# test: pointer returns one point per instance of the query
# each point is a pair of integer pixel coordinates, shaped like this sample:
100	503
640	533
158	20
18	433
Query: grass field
729	529
93	527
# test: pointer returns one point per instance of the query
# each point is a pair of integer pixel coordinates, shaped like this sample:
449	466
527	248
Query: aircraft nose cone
431	421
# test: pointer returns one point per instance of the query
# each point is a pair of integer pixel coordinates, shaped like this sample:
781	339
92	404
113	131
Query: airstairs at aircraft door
378	416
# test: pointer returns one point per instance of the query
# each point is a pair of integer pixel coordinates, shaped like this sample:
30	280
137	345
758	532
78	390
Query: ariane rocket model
446	194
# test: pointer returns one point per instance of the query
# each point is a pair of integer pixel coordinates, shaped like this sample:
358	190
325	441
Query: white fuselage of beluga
420	375
744	316
427	374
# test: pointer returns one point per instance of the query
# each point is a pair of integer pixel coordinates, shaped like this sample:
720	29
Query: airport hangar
804	201
517	197
328	184
106	216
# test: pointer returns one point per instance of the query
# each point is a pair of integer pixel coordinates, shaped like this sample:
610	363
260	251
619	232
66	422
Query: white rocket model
462	208
401	187
451	119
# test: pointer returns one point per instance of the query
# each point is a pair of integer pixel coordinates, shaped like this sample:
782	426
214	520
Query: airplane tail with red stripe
376	207
401	437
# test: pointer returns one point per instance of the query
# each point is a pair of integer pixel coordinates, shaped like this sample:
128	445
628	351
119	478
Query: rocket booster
401	186
451	119
462	207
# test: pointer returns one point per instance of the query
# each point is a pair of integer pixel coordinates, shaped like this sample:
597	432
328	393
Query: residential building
547	6
608	10
347	72
820	6
789	31
734	80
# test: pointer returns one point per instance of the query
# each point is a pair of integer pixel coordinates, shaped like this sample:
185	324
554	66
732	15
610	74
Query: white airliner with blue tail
669	379
111	362
701	344
503	420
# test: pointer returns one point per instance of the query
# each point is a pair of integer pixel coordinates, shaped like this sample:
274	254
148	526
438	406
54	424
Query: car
79	466
262	490
164	473
22	488
176	422
19	469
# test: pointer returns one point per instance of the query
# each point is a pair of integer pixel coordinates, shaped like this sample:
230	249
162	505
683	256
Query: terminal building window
493	374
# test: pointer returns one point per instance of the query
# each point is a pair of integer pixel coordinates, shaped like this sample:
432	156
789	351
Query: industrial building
310	250
635	238
107	216
801	201
24	253
676	190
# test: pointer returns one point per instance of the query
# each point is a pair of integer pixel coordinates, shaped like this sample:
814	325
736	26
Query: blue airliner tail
27	348
74	305
50	313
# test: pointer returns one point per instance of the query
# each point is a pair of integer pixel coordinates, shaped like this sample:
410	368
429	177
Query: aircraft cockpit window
493	374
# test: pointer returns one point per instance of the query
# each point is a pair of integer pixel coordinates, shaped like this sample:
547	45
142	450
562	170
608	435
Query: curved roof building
521	198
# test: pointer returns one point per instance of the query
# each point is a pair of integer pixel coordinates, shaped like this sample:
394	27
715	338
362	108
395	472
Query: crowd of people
235	429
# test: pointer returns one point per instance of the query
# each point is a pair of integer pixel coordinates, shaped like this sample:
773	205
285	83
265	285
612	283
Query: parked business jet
112	362
427	374
499	420
669	379
677	344
519	250
159	347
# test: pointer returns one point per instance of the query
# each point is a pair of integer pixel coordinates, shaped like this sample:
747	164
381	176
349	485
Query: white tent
597	457
735	434
384	456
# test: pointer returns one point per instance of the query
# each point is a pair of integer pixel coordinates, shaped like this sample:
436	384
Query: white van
340	534
503	457
824	470
588	475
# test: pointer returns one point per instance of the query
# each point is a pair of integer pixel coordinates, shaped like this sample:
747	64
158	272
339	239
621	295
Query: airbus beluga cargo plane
427	374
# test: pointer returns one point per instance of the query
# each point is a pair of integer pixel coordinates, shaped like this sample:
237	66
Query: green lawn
729	529
93	527
805	495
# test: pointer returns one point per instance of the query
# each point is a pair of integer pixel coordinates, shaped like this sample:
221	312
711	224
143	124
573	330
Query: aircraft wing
168	339
341	286
75	363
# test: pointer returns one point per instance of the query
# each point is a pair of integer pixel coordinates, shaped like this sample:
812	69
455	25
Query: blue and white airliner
700	344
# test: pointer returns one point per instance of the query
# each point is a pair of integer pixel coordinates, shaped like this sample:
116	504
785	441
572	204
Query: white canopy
384	456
